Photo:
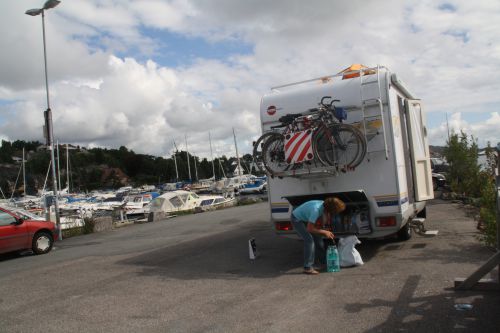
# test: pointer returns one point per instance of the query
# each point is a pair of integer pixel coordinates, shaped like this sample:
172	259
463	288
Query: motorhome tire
405	232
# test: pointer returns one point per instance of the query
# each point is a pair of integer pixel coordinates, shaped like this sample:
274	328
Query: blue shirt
309	211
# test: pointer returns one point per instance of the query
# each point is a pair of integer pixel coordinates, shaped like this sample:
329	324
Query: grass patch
72	232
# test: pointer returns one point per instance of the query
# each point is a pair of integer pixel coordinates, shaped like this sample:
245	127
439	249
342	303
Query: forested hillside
100	167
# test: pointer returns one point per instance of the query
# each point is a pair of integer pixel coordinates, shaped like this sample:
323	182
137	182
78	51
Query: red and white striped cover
298	147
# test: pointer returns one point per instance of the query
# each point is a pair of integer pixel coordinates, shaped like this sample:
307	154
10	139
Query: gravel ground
192	274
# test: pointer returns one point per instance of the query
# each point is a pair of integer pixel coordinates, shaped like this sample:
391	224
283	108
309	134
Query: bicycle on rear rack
323	137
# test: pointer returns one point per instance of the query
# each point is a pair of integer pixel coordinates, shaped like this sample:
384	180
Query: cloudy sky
147	72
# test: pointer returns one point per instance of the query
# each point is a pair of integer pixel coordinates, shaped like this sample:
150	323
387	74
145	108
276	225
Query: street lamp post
48	113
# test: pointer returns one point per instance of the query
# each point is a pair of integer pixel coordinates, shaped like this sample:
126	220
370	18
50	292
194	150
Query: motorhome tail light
387	221
283	226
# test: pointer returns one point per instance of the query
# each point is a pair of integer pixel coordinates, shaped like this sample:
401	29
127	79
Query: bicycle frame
321	121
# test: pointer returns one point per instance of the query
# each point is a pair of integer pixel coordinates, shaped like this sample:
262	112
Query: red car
21	230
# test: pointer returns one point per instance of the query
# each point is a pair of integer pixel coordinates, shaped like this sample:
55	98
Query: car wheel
405	232
42	242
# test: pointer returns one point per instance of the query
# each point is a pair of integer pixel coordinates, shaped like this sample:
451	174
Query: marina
147	203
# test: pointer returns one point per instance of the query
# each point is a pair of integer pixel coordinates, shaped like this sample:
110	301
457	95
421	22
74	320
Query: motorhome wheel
405	232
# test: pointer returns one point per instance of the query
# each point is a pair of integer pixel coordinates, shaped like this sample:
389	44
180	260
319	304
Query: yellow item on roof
354	70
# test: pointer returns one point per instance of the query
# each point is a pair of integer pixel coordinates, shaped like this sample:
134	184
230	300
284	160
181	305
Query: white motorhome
390	187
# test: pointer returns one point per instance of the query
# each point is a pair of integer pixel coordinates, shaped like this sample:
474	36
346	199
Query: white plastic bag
349	256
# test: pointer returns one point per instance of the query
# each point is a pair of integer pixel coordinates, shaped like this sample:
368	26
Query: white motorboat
213	202
256	186
184	201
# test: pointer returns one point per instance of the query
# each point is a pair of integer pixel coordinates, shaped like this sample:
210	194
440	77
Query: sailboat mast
211	154
67	167
222	169
17	178
24	175
175	162
195	169
58	167
237	156
46	177
187	154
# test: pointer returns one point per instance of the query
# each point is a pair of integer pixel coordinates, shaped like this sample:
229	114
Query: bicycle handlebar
322	103
324	97
322	111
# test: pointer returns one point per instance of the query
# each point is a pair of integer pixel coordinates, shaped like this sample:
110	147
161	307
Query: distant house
238	170
482	159
17	159
61	147
69	147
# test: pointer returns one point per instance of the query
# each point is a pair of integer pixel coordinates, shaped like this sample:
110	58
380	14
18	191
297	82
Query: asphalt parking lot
192	274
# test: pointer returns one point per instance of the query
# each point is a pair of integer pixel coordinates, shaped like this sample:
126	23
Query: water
332	259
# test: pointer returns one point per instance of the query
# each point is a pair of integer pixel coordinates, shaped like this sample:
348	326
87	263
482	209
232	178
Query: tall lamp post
48	113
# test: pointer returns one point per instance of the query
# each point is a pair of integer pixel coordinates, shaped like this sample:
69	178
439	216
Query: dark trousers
314	247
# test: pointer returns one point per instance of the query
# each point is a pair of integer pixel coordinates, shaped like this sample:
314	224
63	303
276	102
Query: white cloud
487	131
104	91
162	14
484	132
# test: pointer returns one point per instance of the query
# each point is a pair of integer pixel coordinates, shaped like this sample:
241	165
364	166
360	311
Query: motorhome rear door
422	175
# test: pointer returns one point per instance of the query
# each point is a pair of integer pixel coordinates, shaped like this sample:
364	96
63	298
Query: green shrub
476	186
488	210
462	154
88	226
489	232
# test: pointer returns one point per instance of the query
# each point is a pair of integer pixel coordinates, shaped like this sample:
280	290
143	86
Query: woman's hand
328	234
313	230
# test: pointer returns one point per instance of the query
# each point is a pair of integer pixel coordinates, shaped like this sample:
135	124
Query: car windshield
25	215
29	215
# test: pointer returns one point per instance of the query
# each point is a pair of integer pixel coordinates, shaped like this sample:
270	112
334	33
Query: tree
101	167
205	169
488	198
476	185
6	151
462	154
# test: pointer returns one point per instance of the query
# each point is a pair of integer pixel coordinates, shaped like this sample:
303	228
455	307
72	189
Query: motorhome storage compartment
354	220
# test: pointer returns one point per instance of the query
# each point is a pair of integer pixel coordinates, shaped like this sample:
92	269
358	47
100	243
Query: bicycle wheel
257	149
362	151
273	154
339	145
